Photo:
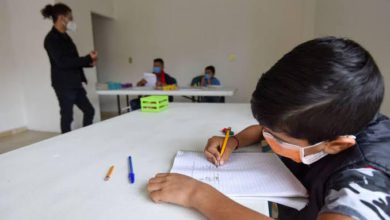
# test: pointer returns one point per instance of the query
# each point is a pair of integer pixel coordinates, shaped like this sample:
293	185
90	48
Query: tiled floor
22	139
107	115
28	137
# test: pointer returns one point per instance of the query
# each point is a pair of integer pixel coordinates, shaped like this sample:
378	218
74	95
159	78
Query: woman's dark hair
322	89
53	11
211	68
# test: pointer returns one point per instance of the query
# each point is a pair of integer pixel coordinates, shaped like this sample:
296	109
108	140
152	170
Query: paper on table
151	79
245	174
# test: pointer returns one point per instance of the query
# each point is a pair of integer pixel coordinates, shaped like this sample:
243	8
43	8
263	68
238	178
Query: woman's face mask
70	25
296	153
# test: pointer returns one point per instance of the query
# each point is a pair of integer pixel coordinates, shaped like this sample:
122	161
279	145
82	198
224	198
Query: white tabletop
182	91
62	177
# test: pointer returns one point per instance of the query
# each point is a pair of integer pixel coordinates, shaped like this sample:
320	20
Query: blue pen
131	174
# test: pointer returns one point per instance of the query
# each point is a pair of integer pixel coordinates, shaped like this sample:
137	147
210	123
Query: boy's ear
340	144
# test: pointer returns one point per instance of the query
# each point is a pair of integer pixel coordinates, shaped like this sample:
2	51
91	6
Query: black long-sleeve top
66	64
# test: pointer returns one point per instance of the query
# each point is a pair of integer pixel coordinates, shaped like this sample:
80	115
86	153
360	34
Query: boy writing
317	108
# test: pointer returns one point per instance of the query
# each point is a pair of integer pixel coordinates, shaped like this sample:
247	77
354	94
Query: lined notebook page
245	174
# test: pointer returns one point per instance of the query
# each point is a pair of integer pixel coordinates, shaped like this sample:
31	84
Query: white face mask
295	152
309	159
71	26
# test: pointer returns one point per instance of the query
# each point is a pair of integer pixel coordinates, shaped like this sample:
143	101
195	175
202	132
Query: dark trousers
69	97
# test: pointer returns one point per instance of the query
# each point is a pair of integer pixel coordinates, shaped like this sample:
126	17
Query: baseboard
12	131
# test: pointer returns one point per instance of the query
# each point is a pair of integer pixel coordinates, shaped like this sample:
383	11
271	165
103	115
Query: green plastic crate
154	103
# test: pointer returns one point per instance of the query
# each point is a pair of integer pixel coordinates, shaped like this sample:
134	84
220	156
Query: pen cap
131	177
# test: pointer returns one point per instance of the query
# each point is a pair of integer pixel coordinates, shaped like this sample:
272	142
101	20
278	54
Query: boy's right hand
213	148
142	82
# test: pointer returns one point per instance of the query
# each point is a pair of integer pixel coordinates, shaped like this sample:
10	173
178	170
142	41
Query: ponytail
53	11
47	11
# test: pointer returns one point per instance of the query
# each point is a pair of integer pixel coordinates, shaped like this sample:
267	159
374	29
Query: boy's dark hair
159	60
322	89
211	68
53	11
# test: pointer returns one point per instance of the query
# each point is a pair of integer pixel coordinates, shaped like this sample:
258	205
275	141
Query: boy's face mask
156	69
294	152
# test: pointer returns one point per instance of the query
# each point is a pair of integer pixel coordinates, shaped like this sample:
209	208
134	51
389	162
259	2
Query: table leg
128	103
118	100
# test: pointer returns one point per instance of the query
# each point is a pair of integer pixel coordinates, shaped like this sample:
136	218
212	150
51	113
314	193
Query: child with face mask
206	79
163	79
318	109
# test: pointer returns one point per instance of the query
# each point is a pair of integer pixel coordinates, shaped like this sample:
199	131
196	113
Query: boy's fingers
214	151
226	155
210	157
153	187
156	196
162	174
157	180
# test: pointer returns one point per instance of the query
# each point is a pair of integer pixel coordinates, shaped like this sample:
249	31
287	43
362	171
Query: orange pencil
109	173
225	141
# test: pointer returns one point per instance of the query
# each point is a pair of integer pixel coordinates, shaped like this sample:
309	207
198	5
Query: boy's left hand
174	188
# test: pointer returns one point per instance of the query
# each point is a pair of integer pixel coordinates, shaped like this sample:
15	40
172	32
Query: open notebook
244	175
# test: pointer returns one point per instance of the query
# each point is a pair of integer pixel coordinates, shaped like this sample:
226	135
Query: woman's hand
213	148
176	188
94	55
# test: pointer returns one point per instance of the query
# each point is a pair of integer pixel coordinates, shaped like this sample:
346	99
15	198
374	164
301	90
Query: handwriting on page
206	173
245	174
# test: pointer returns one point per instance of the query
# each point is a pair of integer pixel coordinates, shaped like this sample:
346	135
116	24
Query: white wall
189	35
11	95
366	22
27	30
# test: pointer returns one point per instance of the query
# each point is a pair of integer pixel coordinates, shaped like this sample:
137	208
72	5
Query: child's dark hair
53	11
211	68
322	89
159	60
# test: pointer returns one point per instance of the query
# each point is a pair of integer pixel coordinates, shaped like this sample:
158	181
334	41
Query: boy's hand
175	188
142	82
213	148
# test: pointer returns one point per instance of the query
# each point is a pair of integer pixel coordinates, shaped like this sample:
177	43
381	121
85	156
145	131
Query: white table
182	91
62	177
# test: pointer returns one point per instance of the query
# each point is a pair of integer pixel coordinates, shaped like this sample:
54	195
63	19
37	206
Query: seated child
163	79
207	79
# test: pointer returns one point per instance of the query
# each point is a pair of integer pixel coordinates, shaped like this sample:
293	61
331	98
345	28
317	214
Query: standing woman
67	75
